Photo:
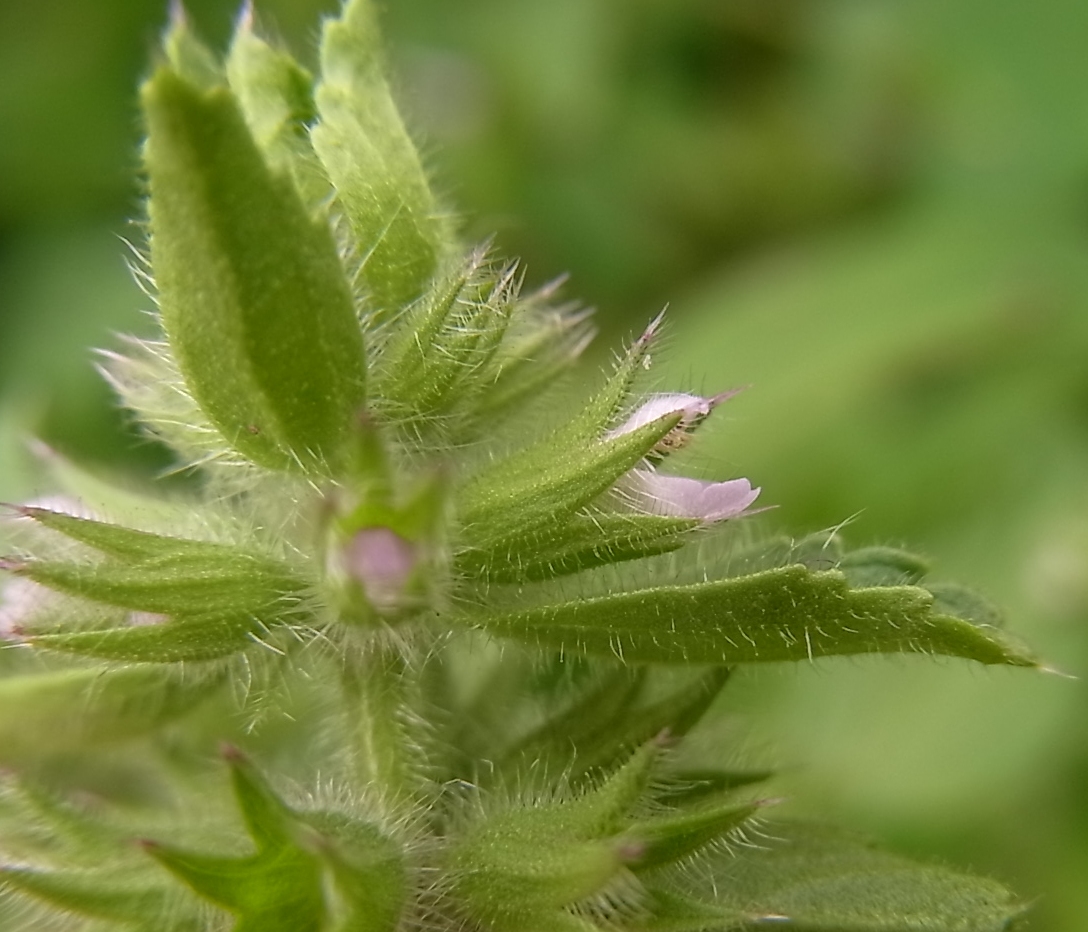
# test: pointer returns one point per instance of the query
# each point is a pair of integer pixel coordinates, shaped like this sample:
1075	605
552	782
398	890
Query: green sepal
373	165
518	868
813	878
790	613
179	639
541	344
692	786
203	581
97	894
515	498
275	94
581	543
672	838
48	713
236	255
436	360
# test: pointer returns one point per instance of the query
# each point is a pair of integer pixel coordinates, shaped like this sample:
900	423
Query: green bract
397	582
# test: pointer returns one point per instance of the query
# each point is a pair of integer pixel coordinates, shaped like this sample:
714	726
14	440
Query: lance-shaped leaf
49	713
204	580
790	613
254	299
812	878
516	497
174	640
373	164
123	897
581	543
672	838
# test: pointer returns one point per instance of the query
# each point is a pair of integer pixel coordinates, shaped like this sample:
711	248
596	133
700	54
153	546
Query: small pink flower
691	408
382	562
678	497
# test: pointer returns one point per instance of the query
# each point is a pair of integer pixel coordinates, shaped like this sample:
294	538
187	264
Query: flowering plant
452	651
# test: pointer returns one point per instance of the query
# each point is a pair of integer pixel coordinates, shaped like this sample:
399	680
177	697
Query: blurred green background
873	213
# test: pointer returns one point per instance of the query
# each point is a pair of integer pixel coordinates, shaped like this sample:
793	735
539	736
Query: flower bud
382	562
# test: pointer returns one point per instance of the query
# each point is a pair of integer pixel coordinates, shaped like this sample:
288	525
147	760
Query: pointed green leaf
811	878
267	818
516	497
373	164
583	542
543	341
277	890
124	542
200	637
671	838
224	582
119	897
790	613
236	256
47	713
690	786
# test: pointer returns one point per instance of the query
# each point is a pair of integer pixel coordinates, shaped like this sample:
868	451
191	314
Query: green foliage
405	573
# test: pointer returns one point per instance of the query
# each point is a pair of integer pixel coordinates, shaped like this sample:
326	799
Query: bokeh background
874	213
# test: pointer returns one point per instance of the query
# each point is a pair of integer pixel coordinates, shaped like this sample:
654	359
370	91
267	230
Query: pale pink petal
680	497
690	407
21	600
382	561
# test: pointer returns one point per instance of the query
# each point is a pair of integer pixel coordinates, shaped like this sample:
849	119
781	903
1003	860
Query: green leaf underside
253	296
791	613
373	164
178	639
812	878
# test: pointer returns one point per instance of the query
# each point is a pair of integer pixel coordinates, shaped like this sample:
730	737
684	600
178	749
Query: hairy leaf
790	613
236	258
